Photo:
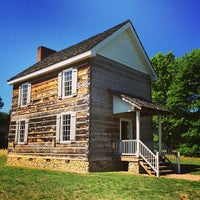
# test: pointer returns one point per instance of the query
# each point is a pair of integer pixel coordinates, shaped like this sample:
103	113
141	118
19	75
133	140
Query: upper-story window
24	94
67	83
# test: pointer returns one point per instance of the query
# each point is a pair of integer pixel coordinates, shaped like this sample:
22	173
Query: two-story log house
85	108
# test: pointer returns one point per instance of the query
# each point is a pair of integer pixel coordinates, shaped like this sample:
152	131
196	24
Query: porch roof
126	103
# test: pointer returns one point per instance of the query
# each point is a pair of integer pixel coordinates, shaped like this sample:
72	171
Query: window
67	83
24	94
21	132
66	127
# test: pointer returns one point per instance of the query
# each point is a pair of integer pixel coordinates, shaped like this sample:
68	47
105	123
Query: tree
1	103
178	89
184	101
4	127
166	68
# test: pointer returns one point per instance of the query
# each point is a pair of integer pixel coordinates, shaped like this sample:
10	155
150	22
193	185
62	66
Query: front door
126	129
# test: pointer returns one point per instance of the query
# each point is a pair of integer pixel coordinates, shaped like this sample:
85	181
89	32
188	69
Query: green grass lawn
20	183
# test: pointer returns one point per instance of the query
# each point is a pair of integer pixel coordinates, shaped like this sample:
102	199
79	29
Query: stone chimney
43	52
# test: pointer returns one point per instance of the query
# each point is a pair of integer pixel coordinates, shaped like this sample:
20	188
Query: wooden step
164	172
164	167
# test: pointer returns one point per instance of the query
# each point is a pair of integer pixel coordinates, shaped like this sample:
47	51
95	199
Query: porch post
159	135
137	131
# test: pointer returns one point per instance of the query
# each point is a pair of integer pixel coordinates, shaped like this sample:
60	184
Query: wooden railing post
138	132
157	164
179	163
159	136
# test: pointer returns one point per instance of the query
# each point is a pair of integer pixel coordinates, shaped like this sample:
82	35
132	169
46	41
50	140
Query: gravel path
184	176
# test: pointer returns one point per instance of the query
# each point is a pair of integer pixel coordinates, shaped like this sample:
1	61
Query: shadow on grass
190	169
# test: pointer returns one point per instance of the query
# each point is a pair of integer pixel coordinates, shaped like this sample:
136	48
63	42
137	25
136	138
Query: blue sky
162	26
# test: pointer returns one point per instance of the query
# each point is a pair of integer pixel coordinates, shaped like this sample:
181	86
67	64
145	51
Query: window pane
67	81
66	120
24	94
21	131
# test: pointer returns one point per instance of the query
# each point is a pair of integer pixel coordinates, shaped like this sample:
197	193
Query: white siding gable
119	106
123	50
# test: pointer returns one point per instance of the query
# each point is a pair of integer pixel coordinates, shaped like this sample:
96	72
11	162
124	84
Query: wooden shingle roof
146	107
69	52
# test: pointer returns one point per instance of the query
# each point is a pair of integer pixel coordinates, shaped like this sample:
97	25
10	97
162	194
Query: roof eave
144	53
53	67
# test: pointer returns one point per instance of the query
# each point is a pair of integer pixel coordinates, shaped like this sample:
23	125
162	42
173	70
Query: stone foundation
133	166
49	163
136	167
106	166
65	165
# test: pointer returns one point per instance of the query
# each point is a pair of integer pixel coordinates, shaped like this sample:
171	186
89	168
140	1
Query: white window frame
17	133
131	127
59	127
21	93
61	89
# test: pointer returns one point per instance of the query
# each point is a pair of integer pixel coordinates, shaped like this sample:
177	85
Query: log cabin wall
107	74
41	113
96	128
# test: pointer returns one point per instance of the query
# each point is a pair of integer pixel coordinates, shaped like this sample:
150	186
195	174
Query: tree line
178	89
4	127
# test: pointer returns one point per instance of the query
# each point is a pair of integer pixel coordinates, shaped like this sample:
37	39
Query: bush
189	150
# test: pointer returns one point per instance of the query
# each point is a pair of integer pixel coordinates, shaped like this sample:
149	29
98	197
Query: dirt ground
184	176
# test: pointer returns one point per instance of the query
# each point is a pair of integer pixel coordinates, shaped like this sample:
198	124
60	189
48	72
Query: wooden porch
133	151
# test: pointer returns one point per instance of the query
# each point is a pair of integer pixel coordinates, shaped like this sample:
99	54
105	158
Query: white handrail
151	159
129	147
